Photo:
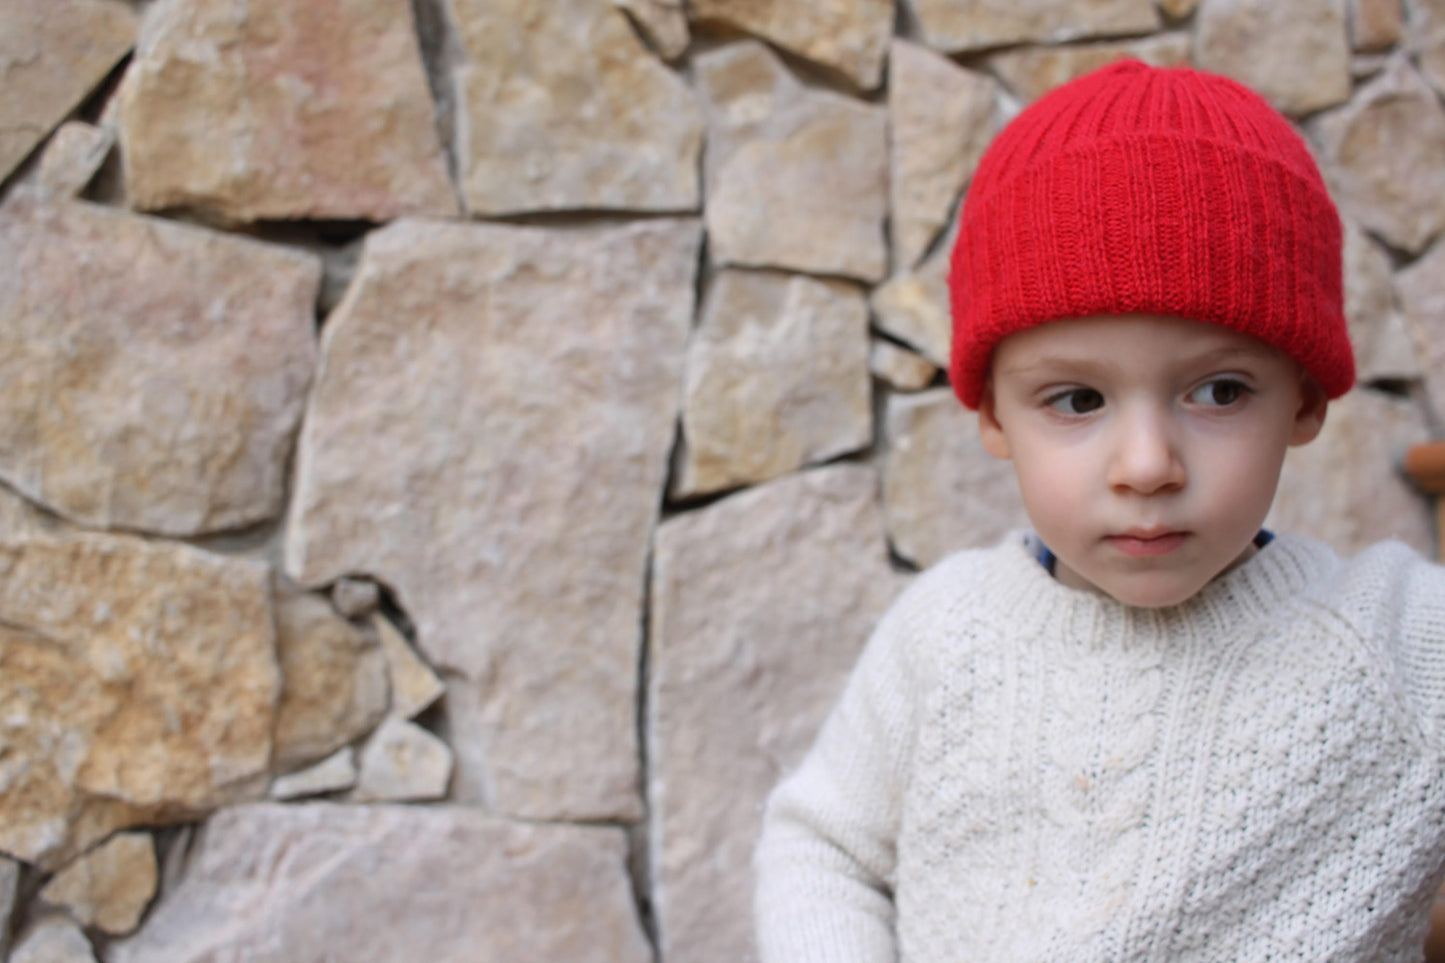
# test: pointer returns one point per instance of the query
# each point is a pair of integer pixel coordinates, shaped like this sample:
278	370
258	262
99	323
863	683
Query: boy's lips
1144	543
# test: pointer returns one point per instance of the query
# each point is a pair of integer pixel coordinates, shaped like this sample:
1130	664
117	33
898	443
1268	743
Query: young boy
1146	730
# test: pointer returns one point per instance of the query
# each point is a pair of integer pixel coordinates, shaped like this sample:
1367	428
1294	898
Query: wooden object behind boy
1424	465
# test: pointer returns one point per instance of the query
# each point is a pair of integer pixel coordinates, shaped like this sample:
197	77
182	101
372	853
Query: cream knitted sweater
1021	771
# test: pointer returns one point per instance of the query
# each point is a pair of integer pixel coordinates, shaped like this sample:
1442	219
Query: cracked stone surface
942	117
414	686
760	398
267	109
499	467
1296	55
152	374
72	156
82	41
900	367
912	305
779	158
1383	348
334	679
1344	489
662	22
52	939
336	773
560	106
941	491
301	882
138	684
402	762
958	25
1032	72
761	602
1381	154
110	886
1421	287
848	36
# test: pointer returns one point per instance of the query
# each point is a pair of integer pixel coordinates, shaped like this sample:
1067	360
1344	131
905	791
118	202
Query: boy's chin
1142	590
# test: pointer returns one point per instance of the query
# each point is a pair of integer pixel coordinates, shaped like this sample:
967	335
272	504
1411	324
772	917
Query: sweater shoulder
1393	601
957	582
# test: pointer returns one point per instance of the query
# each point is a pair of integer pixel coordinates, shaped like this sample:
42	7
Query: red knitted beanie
1138	190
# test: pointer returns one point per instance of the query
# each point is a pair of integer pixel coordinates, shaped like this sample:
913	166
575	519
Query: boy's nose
1146	458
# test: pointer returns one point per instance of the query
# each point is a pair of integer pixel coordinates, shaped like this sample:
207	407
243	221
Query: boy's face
1147	448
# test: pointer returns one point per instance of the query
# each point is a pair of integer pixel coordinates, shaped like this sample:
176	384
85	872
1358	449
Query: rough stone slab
336	773
560	106
499	468
663	24
777	378
1031	72
1421	287
20	516
402	762
1383	349
1427	39
152	374
377	884
53	939
848	36
334	679
1178	9
900	367
414	686
1381	153
355	597
912	306
1376	24
795	178
941	118
1295	54
109	887
9	885
761	602
81	41
138	683
941	491
1367	65
72	156
957	25
255	109
1344	487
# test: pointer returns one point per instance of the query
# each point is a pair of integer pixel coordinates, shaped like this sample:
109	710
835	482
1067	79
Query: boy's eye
1076	401
1221	392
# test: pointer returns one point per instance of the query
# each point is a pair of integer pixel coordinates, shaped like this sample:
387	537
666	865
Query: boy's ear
990	432
1310	417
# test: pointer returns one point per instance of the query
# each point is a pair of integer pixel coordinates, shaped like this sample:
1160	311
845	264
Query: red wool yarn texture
1144	190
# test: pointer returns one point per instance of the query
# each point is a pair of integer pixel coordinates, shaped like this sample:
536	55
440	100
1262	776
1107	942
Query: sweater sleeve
1422	595
825	860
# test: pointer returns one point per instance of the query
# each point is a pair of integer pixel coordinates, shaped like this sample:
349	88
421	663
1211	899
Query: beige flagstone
81	40
795	177
560	106
1296	54
489	438
760	604
138	684
848	36
152	374
267	109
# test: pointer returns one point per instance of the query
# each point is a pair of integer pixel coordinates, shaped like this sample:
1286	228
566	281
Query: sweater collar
1257	590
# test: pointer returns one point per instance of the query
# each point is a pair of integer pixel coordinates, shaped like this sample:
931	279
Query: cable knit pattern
1021	771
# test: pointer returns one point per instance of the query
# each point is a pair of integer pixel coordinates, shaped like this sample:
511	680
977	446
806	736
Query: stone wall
452	450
